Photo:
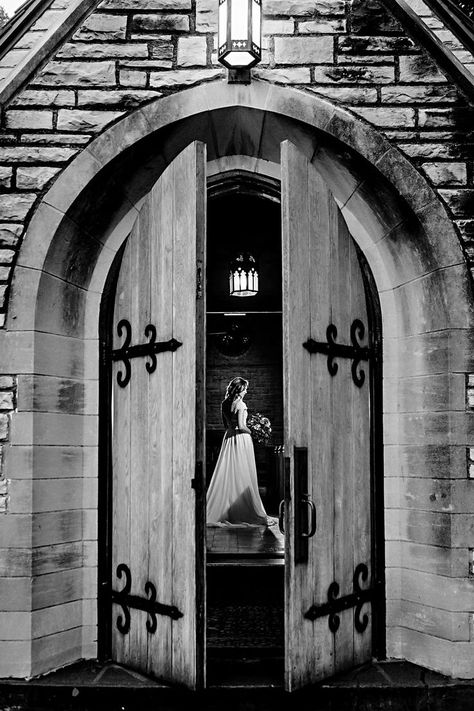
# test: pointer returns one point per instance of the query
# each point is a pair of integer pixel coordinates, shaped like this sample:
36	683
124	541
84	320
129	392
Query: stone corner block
192	51
304	50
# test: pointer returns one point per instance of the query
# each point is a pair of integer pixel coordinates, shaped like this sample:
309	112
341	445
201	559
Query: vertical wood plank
160	428
200	414
342	403
322	285
139	462
322	434
184	437
361	464
295	242
120	462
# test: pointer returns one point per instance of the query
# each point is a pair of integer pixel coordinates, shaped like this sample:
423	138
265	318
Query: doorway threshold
91	686
258	541
216	560
245	668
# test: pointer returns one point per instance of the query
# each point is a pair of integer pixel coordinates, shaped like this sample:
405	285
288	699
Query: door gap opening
245	564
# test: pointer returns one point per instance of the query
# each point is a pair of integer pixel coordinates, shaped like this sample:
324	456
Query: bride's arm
242	420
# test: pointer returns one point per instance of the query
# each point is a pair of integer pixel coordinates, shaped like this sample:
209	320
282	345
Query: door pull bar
281	516
305	500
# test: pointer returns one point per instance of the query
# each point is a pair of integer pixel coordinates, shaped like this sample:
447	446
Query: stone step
387	686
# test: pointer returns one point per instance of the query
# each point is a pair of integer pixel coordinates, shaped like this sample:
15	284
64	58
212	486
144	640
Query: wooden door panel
329	415
155	438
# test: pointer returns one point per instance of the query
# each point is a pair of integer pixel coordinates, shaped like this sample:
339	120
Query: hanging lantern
240	33
243	275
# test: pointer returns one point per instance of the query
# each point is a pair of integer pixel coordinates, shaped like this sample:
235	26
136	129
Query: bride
233	497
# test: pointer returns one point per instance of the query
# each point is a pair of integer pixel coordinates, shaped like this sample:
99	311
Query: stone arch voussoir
268	104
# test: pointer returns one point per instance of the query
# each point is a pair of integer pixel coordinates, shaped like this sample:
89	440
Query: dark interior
245	567
244	333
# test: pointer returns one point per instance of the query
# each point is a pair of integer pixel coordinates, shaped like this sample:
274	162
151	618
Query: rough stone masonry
128	53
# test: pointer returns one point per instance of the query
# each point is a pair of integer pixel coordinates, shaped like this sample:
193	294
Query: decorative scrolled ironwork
334	619
123	379
357	335
331	335
148	350
361	572
356	352
148	604
151	622
123	623
336	604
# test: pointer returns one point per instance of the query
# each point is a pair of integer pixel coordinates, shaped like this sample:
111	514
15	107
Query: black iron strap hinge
149	350
336	604
355	352
135	602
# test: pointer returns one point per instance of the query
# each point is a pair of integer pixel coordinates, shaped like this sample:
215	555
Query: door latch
199	280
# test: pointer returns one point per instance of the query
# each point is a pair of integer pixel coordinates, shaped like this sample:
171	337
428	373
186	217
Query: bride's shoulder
238	404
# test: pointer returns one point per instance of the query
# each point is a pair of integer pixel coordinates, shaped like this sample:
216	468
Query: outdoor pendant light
243	275
240	33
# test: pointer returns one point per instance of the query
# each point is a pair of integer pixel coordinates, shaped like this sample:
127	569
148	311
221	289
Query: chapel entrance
322	321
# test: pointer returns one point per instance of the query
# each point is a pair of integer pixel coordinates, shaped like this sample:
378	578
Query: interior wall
252	224
261	364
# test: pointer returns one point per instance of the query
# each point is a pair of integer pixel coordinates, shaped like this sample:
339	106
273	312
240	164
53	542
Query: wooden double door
156	536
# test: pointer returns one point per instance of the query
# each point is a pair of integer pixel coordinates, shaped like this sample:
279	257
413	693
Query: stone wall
7	407
129	53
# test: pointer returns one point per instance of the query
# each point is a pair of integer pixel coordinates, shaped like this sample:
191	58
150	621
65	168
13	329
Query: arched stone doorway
332	430
393	215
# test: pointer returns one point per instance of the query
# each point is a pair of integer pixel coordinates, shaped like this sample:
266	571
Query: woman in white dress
233	498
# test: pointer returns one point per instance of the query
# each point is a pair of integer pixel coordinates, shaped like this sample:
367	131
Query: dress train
233	498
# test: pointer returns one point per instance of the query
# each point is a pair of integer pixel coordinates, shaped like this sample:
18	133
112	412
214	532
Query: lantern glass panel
239	59
222	34
239	23
256	11
243	276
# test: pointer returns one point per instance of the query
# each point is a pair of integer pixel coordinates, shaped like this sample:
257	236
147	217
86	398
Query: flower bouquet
260	427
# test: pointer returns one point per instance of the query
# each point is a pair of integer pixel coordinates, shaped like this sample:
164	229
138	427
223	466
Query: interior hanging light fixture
240	33
243	275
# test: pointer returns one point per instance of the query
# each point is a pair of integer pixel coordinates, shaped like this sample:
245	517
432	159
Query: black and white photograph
237	355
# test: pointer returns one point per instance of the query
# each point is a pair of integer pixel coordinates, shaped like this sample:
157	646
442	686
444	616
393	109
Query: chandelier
243	275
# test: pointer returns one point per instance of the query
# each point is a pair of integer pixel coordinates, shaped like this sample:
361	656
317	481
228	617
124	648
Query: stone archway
398	222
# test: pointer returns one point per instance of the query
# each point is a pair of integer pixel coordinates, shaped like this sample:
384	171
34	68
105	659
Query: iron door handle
312	528
281	516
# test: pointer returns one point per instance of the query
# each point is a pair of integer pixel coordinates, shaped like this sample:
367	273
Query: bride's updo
234	388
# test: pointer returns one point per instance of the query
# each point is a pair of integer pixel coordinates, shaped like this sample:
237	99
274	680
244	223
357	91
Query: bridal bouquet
260	427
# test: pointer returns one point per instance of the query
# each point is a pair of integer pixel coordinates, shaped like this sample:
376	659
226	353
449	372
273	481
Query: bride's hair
234	388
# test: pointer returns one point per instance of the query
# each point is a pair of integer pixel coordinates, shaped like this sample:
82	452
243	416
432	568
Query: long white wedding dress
233	498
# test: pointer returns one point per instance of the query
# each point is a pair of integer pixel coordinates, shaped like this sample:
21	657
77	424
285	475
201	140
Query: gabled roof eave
445	59
19	75
23	19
